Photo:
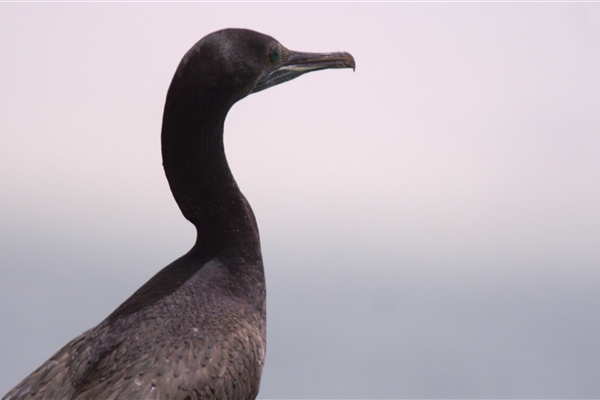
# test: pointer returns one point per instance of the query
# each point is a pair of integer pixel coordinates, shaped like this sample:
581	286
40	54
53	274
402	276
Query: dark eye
274	55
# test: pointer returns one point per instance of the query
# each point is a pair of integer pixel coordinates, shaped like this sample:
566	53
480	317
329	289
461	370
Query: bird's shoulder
171	347
203	365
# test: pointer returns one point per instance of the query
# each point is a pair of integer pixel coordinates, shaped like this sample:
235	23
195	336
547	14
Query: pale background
430	223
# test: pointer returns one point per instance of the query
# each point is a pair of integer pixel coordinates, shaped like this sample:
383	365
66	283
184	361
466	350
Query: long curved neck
198	173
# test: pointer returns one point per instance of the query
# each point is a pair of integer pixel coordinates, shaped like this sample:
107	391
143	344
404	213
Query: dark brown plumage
196	330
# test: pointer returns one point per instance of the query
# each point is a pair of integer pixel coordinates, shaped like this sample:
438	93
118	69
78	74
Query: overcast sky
430	223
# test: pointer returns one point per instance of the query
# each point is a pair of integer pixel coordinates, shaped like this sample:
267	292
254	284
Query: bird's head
233	63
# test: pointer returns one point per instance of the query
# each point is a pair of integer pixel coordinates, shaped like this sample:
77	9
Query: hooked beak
299	63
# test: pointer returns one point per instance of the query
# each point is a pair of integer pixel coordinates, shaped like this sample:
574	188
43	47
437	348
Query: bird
197	329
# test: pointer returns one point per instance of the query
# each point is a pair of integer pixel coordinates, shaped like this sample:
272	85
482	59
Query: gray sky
430	223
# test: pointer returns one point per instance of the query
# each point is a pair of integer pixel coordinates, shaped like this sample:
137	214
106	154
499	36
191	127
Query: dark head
219	70
229	64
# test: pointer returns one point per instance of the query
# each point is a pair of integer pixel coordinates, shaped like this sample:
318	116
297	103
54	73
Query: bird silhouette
196	330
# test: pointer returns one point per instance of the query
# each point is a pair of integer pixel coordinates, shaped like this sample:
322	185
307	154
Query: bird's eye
274	55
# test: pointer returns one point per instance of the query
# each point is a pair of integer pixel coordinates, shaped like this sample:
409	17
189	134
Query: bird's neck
200	178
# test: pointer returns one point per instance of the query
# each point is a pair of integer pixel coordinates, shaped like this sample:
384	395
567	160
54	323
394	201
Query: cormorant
196	330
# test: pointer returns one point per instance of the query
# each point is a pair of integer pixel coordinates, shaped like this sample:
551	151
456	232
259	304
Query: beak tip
351	61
